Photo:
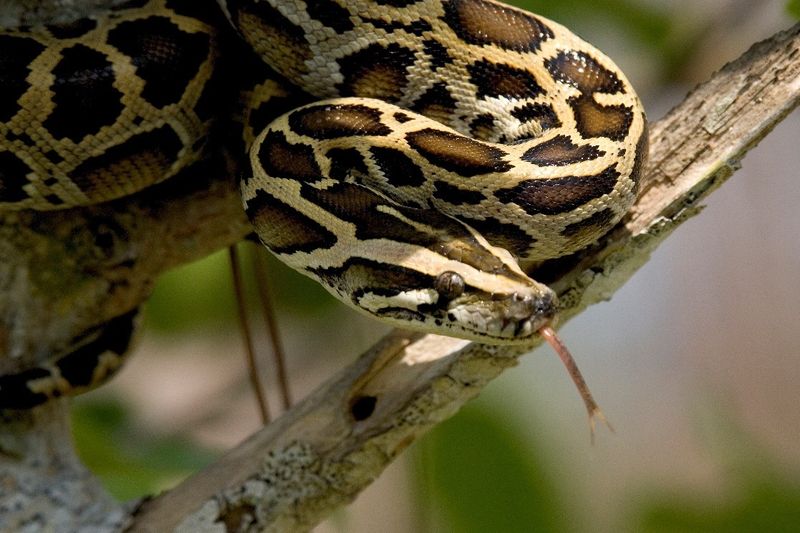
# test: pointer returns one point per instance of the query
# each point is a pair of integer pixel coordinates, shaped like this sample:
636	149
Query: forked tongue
549	334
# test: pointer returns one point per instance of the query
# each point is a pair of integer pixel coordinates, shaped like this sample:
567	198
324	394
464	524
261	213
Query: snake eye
449	285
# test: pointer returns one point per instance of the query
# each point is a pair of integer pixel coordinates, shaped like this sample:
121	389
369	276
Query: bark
66	272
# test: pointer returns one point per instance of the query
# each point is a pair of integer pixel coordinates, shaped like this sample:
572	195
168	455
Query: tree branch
66	272
322	453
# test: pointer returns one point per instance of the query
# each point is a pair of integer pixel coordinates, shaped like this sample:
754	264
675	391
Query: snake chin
488	318
506	319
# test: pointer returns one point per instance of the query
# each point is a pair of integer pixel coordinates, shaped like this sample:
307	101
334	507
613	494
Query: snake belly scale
452	143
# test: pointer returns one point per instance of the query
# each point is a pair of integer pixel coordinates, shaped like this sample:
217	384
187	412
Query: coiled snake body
454	141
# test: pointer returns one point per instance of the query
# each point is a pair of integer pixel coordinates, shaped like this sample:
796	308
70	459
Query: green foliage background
516	489
794	8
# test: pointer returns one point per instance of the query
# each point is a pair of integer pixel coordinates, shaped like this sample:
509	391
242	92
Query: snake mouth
477	316
509	319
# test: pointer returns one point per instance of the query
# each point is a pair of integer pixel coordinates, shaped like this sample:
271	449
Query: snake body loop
452	143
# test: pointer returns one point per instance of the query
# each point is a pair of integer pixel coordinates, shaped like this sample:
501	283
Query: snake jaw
510	318
502	319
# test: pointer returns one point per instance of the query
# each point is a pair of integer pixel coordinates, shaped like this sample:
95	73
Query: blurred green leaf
646	23
201	294
193	296
760	494
130	464
766	504
480	475
794	8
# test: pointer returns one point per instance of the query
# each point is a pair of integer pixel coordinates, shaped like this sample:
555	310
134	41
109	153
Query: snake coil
450	145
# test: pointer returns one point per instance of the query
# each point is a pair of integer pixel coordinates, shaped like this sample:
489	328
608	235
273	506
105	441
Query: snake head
420	269
458	304
509	316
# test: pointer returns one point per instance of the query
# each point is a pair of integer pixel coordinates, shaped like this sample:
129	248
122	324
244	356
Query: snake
414	157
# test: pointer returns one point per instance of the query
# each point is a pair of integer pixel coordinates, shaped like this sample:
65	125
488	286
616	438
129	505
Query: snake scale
440	147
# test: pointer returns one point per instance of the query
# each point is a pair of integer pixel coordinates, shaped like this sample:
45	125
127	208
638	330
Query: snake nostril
544	306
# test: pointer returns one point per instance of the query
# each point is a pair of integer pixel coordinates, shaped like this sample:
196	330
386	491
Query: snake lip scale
415	158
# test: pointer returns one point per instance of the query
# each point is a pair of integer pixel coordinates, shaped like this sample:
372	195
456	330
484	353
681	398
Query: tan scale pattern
63	172
560	168
532	136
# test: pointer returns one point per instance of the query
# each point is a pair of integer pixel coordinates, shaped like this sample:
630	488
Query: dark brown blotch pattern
16	54
583	72
358	204
456	242
544	114
455	195
498	80
141	160
54	157
84	94
346	163
378	71
283	159
487	23
560	151
642	151
165	57
580	70
559	195
12	178
441	234
457	153
436	103
437	53
358	276
330	14
329	121
283	229
80	366
482	126
595	120
508	236
397	167
14	391
593	226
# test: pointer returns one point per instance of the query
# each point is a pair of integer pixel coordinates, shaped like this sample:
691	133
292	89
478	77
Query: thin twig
268	310
247	337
